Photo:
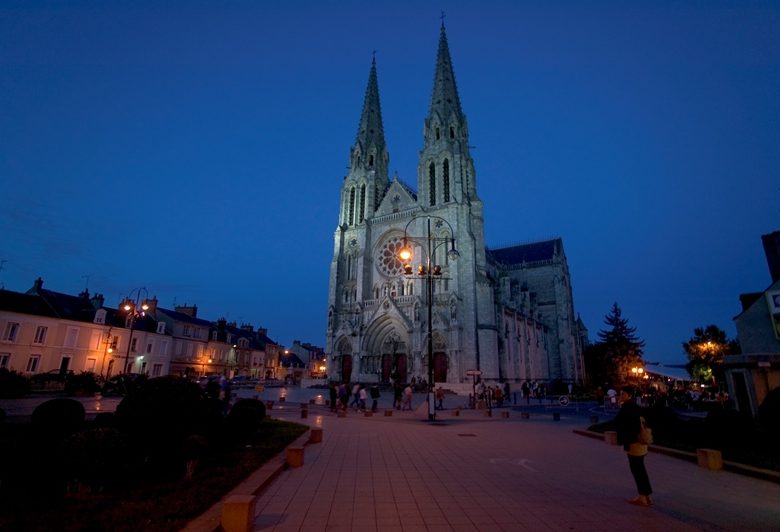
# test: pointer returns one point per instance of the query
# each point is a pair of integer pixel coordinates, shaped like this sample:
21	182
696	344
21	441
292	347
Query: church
505	314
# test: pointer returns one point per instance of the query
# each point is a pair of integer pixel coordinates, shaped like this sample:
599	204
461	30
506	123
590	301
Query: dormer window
160	327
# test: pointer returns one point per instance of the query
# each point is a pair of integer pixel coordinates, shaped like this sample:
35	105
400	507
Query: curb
254	484
734	467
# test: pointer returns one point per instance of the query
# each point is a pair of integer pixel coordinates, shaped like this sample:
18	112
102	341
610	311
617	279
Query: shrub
158	415
245	417
769	415
95	458
13	384
84	384
58	418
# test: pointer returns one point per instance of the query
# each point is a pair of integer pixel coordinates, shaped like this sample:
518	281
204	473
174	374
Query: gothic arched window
452	132
432	183
362	214
352	206
370	160
446	178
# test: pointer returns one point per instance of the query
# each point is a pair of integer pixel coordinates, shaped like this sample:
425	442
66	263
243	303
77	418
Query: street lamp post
135	308
428	271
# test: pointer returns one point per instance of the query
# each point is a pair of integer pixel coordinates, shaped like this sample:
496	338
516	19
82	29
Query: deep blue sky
197	150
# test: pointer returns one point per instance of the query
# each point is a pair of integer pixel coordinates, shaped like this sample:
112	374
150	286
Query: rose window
388	261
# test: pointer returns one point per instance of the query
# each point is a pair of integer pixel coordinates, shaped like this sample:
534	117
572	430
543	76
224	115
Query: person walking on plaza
407	405
363	394
333	395
398	392
374	397
355	395
634	436
439	398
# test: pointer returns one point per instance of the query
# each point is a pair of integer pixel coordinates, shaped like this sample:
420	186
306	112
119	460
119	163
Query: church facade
507	313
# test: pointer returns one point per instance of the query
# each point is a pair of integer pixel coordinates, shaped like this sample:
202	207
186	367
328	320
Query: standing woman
629	424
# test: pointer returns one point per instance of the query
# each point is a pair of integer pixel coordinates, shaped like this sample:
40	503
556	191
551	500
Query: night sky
197	149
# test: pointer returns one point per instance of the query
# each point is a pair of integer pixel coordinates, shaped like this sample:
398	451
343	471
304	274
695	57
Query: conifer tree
618	350
706	350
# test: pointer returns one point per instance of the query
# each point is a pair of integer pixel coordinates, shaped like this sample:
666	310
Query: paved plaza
472	472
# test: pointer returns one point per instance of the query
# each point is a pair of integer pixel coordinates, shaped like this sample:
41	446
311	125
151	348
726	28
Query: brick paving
471	472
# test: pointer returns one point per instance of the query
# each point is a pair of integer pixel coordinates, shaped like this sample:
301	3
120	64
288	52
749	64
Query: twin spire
370	129
444	102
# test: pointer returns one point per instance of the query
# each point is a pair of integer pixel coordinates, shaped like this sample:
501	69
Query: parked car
122	384
53	379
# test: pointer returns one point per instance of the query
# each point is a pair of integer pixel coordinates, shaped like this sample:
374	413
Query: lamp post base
431	405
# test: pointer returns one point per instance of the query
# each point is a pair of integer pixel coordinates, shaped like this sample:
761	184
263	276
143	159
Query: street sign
564	400
473	372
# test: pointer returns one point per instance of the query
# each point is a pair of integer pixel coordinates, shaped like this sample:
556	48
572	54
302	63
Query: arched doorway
345	359
394	365
440	367
346	368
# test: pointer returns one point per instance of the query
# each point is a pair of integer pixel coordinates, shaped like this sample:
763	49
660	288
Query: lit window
33	363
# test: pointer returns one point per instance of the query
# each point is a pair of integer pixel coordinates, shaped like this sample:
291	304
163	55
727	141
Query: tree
706	350
617	351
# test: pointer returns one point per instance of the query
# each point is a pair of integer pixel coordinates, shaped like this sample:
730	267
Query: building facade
507	314
42	330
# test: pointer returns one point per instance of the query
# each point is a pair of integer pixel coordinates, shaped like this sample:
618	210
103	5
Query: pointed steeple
367	179
444	99
370	127
370	151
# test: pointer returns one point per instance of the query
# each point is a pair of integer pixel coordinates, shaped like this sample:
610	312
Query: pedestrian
363	394
333	395
439	398
398	392
355	395
526	391
407	405
506	391
633	434
343	398
499	396
374	397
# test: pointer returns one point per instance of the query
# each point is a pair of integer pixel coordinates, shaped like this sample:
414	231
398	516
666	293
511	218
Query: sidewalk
471	472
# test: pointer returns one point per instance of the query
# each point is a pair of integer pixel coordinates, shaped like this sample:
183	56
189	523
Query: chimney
247	327
191	311
37	286
152	303
97	301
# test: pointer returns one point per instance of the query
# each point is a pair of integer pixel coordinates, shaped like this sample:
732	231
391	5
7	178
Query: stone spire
370	151
444	99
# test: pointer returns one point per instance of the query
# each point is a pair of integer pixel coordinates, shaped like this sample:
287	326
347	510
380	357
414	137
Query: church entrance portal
394	367
346	368
440	367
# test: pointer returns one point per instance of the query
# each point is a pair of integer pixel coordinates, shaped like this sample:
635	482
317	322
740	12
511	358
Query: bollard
295	456
315	436
456	412
610	437
505	415
709	459
556	416
525	415
388	413
238	513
